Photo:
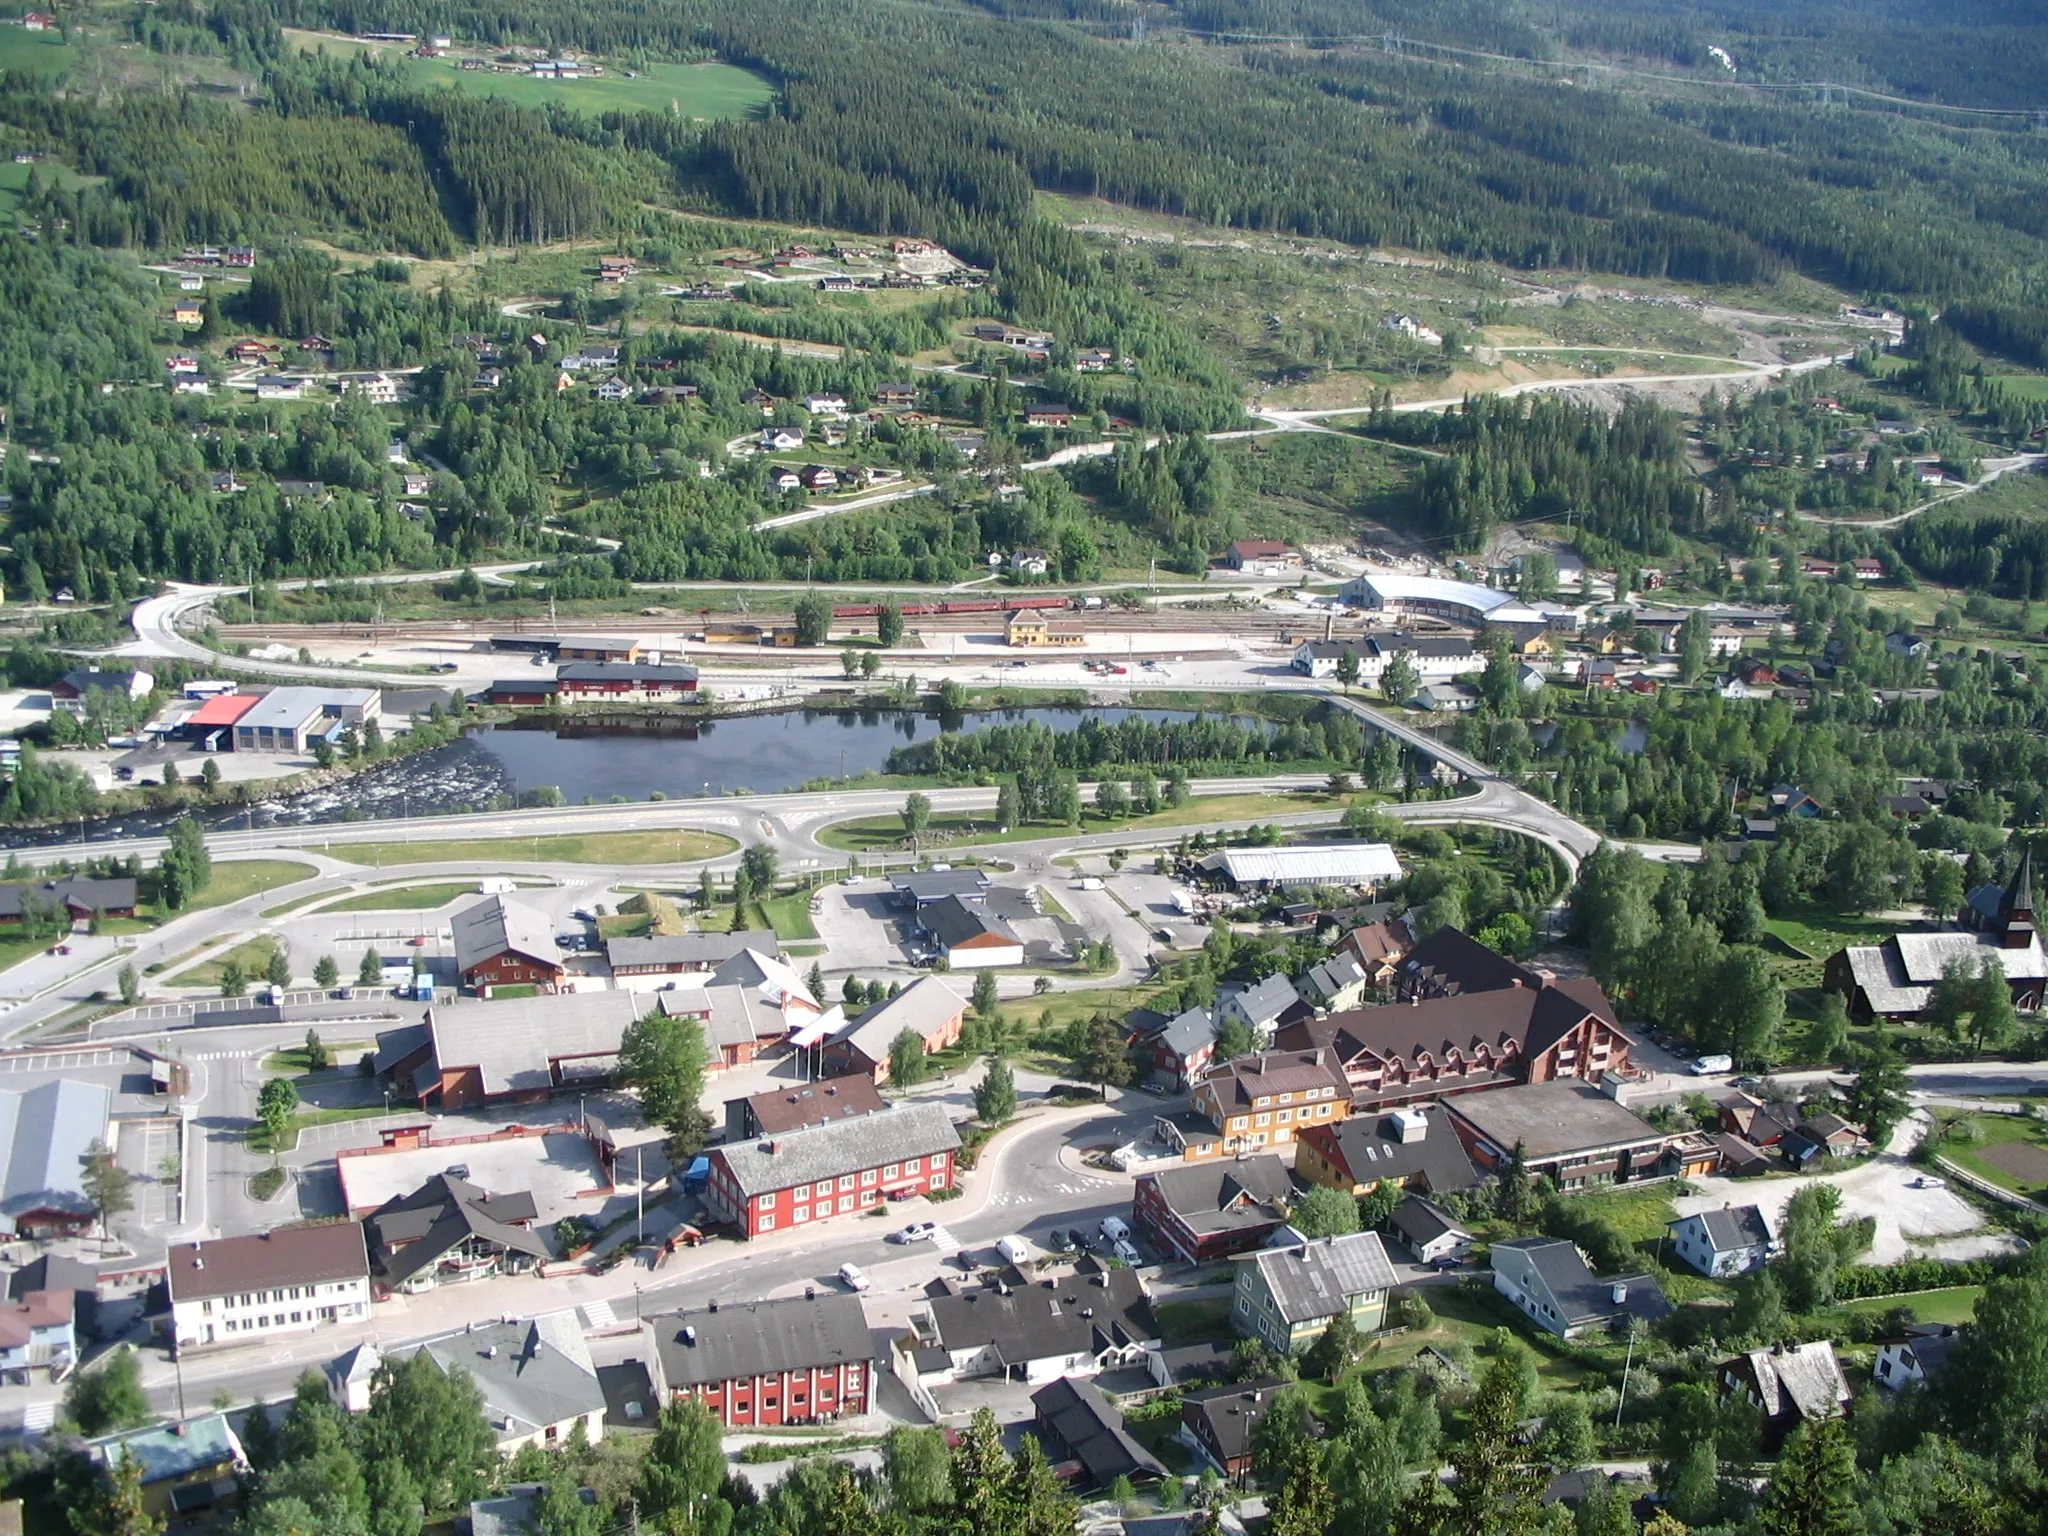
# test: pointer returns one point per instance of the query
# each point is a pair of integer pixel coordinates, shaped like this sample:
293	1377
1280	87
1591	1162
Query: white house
614	390
825	405
1731	1241
237	1290
1922	1352
781	439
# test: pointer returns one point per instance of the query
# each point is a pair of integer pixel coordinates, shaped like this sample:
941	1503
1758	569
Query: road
1991	471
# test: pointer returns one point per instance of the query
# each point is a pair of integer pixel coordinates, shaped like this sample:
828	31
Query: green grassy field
234	879
1957	1304
2009	1150
682	847
37	53
790	916
14	178
696	91
886	832
406	898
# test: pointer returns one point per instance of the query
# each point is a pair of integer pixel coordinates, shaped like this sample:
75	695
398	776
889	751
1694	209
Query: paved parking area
1912	1219
862	928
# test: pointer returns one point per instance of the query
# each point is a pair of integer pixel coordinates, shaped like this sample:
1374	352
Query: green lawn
877	833
1183	1322
340	1054
1994	1131
252	956
1957	1304
14	178
612	848
37	53
234	879
698	91
790	916
1807	937
406	898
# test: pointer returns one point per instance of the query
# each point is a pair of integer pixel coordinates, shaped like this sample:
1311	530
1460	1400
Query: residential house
927	1008
1919	1356
616	269
1093	359
895	394
1175	1050
1338	982
591	358
1261	1101
1322	658
1730	1241
1078	1324
1575	1135
738	1022
785	481
781	439
1412	1148
776	1111
1213	1210
71	691
1792	1384
1380	948
825	405
837	1168
1287	1297
802	1360
1049	416
1259	1007
1030	562
536	1377
501	942
818	478
1263	557
516	1052
623	681
74	898
1446	698
1428	1231
38	1332
1548	1279
1221	1423
614	391
1819	1137
451	1230
1085	1438
186	1466
55	1272
969	935
760	400
242	1290
516	1511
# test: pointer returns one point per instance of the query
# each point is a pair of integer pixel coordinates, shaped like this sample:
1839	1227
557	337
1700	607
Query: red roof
224	710
1253	549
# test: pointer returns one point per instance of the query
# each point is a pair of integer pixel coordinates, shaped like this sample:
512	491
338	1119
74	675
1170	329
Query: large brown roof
1451	960
287	1256
1534	1018
807	1104
1271	1073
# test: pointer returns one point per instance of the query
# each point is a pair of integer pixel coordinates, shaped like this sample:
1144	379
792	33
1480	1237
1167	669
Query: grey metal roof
765	1338
926	885
1089	1311
1186	1033
841	1146
515	1043
922	1007
1092	1432
1581	1297
1226	1196
1233	1412
410	1232
44	1134
532	1373
497	924
1741	1226
1424	1221
1373	1150
1318	1279
1328	977
705	949
1266	999
952	921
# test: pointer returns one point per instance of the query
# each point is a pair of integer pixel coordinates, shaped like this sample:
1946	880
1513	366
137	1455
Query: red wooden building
835	1169
798	1361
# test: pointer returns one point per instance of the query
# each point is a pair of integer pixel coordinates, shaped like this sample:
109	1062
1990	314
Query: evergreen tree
1812	1491
995	1096
1496	1488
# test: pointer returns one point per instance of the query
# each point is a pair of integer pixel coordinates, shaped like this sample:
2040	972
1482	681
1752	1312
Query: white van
1114	1229
1014	1250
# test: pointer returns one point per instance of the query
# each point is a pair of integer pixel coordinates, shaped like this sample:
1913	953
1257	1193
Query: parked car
851	1274
1080	1240
916	1232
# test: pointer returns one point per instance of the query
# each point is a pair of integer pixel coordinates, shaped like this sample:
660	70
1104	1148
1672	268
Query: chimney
491	1353
713	1304
1620	1292
1516	983
1258	1396
690	1336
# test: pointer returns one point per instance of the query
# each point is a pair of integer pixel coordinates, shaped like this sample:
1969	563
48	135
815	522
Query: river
763	754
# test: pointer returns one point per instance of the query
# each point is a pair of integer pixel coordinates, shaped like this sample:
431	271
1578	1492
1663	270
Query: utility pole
640	1217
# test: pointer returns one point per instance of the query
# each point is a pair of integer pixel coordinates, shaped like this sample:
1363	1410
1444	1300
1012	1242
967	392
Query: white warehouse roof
1314	864
1381	589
